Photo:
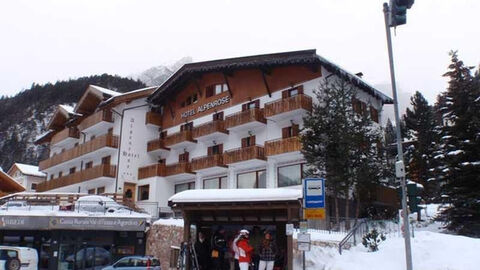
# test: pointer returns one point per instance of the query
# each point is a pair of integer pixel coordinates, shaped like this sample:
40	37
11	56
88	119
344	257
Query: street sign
303	226
314	213
289	229
303	241
314	192
303	246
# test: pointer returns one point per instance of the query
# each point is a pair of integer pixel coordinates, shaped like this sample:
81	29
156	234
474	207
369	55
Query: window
72	170
190	100
51	176
5	254
182	158
88	165
91	191
218	116
163	135
34	186
291	131
214	150
60	174
92	137
216	89
248	141
292	92
186	126
143	192
290	175
184	186
106	160
359	106
100	190
215	183
256	179
374	114
251	105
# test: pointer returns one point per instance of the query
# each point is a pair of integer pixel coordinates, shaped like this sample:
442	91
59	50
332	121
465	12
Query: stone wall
160	238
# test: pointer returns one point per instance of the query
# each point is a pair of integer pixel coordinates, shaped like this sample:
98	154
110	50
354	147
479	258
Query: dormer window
216	89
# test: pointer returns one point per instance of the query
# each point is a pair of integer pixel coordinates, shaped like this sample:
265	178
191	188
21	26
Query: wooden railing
204	162
71	132
103	115
103	170
106	140
243	154
209	128
300	101
151	171
280	146
181	136
178	168
156	144
244	117
153	118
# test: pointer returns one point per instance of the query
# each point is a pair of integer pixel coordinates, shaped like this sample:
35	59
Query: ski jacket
244	251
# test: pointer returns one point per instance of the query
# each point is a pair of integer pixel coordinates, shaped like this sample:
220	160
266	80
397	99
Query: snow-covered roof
29	169
105	90
147	90
236	195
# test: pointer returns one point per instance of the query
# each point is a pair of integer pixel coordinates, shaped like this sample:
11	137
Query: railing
71	132
300	101
103	115
156	144
204	162
243	154
178	168
151	171
209	128
153	118
78	177
244	117
181	136
280	146
106	140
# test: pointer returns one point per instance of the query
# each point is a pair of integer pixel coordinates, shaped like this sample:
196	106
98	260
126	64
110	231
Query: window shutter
300	89
257	103
295	130
285	93
244	107
210	150
186	156
244	142
220	148
252	140
285	132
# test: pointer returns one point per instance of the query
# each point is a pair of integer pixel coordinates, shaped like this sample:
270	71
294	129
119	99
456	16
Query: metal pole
408	247
303	255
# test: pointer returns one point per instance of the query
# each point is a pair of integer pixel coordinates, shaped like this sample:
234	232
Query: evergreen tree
460	147
420	124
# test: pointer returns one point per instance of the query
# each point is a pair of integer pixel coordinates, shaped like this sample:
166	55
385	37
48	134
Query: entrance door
129	191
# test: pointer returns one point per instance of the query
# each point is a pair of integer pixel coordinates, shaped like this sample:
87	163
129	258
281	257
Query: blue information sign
314	192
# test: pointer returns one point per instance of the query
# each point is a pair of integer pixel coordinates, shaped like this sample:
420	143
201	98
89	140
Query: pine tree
460	161
420	124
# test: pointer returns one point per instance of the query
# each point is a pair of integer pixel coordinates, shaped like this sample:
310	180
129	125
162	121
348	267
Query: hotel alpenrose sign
207	106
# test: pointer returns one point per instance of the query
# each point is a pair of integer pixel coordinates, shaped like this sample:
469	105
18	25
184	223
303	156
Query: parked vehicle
135	263
14	204
96	203
18	258
90	258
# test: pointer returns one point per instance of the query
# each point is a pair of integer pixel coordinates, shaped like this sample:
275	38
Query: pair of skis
182	258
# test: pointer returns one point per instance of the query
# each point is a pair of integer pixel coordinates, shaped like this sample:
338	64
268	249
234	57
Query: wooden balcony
103	170
244	154
151	171
289	104
66	133
245	117
206	162
157	144
179	139
209	128
152	118
178	168
100	142
281	146
98	117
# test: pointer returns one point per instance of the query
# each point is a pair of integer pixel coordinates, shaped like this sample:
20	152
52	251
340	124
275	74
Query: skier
244	251
235	251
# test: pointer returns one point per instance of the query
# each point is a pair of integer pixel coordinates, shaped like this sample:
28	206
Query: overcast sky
42	41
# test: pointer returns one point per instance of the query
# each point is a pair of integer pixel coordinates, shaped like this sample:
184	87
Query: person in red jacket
244	251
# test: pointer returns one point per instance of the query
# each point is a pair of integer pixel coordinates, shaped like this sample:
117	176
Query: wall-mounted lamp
250	133
214	142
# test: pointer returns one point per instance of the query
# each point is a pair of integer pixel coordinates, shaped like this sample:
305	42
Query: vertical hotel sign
314	198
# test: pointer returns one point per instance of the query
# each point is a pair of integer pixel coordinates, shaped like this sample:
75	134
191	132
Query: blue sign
314	192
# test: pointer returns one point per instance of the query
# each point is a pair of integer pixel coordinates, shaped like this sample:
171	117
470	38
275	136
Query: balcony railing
300	101
209	128
181	136
153	119
280	146
106	140
103	115
151	171
103	170
71	132
178	168
244	117
244	154
207	162
156	144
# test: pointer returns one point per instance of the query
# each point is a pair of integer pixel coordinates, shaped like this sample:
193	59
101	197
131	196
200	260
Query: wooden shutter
252	140
210	151
244	107
183	157
295	130
285	94
285	132
300	89
244	142
220	148
257	103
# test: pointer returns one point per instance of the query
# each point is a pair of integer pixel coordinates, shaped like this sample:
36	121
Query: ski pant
244	265
268	265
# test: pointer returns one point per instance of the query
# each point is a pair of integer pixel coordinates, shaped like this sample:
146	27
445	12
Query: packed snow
236	195
29	170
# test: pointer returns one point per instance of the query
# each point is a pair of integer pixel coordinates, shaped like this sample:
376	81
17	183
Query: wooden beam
228	84
266	83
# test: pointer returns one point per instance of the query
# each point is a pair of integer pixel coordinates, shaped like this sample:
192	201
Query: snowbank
178	222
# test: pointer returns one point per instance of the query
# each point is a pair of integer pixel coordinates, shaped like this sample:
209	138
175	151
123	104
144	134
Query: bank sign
207	106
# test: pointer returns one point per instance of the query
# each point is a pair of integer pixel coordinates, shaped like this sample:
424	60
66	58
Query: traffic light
398	11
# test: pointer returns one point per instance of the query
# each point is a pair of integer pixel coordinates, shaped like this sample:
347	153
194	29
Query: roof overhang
8	184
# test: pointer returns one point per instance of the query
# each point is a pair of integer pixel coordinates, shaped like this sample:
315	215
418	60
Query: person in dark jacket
219	247
267	252
202	248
